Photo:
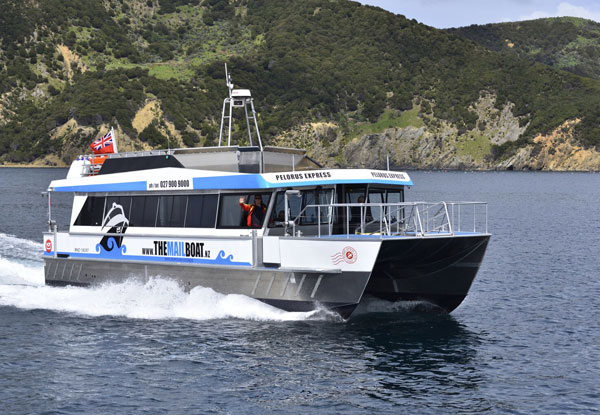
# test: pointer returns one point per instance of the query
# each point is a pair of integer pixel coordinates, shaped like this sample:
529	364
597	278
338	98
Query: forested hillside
568	43
333	76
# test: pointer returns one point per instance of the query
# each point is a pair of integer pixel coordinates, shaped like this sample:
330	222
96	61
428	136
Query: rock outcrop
439	145
556	151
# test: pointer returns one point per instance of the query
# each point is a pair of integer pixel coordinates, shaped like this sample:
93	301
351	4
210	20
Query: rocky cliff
433	144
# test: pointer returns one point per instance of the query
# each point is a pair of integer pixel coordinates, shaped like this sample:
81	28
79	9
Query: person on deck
256	212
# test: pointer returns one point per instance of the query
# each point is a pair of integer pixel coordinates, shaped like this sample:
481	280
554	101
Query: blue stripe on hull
221	259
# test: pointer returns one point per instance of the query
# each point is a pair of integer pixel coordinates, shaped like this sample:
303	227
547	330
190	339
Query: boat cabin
217	211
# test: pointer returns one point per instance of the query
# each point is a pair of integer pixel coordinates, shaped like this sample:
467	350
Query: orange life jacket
250	209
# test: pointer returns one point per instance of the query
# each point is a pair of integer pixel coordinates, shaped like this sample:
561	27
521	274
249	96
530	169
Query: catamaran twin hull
321	236
334	272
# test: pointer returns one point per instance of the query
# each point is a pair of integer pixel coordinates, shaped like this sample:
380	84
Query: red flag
105	144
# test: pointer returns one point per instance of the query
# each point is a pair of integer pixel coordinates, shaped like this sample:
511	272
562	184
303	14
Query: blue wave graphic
111	252
223	258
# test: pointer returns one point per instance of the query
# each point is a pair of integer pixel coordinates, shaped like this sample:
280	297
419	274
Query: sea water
524	341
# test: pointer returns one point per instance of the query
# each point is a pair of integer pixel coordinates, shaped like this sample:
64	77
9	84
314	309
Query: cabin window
137	210
278	214
355	194
179	206
232	215
150	209
143	211
388	196
171	211
176	211
165	204
328	213
92	212
201	211
310	215
372	212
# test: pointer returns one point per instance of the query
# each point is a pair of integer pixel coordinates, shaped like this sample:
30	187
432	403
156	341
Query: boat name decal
301	176
388	175
177	249
347	255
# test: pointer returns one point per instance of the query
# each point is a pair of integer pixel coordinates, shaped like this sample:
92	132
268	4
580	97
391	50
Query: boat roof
181	179
241	159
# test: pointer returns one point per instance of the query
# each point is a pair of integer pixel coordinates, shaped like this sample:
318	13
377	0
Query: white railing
391	219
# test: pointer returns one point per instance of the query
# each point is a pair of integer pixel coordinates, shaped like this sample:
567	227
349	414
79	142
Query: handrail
390	219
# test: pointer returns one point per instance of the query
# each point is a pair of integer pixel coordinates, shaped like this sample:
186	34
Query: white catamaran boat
320	236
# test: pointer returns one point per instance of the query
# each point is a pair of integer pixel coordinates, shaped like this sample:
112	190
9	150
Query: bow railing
391	219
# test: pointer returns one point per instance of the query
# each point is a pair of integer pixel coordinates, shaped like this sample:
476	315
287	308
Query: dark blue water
524	341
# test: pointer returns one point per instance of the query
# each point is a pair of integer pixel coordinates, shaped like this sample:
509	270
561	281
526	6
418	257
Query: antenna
228	81
238	98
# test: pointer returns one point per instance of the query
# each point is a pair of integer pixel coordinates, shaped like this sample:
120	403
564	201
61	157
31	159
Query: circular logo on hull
349	254
48	245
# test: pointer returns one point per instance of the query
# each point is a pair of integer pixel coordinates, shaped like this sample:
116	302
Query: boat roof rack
249	159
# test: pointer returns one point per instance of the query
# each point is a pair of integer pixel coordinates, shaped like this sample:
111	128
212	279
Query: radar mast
238	98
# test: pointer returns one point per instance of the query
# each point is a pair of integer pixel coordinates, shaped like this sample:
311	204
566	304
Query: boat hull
436	270
286	289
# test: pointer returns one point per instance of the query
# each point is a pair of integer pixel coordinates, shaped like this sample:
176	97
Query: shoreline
30	166
34	166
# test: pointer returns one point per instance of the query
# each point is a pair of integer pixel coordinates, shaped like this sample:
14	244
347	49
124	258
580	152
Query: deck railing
392	219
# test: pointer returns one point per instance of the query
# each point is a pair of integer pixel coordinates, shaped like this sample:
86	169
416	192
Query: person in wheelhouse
255	212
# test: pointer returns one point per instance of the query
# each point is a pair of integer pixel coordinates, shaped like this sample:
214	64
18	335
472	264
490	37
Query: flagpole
112	130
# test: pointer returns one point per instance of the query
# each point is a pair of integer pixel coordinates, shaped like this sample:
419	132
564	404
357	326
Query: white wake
20	261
